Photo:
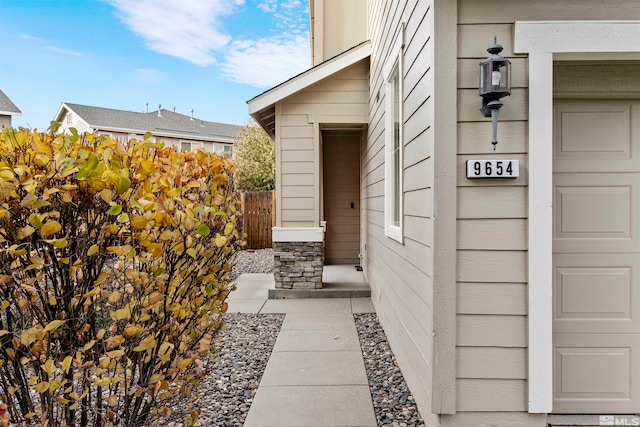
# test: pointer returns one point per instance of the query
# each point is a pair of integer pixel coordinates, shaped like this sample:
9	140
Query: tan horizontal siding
305	131
297	203
420	230
492	298
475	137
296	167
419	203
492	266
298	180
414	97
336	84
406	303
289	144
492	234
421	146
400	274
294	120
473	40
492	202
335	109
293	192
491	331
419	121
419	254
414	175
297	216
407	278
491	362
485	395
298	156
516	107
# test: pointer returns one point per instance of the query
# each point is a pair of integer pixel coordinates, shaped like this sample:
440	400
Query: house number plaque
493	168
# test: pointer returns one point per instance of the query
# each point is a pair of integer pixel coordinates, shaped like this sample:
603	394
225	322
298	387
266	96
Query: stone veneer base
298	265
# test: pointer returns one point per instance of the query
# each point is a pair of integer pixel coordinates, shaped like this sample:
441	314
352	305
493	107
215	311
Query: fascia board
190	137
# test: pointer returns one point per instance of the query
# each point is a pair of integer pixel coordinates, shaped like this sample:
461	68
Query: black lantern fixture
495	83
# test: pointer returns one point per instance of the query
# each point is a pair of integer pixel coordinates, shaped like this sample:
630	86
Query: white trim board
297	234
544	41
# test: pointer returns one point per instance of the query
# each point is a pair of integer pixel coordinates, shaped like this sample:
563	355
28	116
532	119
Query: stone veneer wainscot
298	257
298	265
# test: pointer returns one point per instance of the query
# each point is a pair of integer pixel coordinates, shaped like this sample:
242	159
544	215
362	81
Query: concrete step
329	290
338	281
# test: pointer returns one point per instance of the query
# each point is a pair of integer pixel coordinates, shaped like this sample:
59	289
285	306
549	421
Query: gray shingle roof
167	123
7	106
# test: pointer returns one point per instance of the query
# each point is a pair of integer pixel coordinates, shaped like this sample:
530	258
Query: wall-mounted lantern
495	83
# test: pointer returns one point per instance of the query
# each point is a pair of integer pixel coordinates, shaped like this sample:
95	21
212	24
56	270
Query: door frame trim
545	41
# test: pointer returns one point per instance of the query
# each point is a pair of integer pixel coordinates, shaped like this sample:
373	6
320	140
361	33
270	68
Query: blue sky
209	55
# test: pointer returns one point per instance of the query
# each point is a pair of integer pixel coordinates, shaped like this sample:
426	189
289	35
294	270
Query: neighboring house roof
167	123
7	107
262	107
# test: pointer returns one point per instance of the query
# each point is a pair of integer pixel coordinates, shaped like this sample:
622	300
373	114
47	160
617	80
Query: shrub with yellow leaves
114	271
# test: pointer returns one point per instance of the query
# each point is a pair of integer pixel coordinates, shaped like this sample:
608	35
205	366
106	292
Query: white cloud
189	30
62	51
267	62
50	47
30	37
268	6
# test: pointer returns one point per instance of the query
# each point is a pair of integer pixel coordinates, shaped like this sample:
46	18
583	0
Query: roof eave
176	135
10	113
308	78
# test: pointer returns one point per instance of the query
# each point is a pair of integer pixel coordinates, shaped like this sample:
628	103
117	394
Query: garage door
596	255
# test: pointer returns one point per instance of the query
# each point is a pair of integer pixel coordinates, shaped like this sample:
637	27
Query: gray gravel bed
233	375
251	261
393	403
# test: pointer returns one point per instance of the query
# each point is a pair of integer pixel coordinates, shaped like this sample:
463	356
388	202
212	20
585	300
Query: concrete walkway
315	375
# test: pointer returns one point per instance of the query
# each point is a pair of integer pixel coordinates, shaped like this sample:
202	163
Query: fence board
259	215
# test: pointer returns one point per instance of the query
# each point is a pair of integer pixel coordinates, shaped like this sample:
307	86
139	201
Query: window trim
191	143
391	66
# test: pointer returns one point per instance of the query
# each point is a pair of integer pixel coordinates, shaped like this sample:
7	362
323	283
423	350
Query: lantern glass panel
504	76
485	77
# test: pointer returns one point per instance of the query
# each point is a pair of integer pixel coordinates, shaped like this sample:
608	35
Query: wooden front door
341	201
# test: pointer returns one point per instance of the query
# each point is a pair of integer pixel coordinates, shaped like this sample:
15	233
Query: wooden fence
259	215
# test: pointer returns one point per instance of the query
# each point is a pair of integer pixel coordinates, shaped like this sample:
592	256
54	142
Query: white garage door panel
596	293
596	256
594	212
599	137
596	373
